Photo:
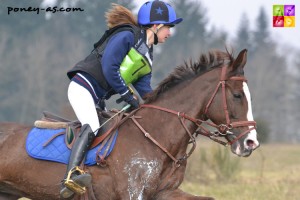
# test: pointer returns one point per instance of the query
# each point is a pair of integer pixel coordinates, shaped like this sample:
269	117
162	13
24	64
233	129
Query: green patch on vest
134	66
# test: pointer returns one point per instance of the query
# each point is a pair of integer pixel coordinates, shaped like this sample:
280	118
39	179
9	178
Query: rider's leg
78	152
84	108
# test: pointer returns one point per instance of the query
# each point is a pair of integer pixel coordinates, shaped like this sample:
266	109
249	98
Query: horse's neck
190	98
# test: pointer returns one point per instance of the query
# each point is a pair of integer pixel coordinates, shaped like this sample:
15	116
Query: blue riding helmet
157	12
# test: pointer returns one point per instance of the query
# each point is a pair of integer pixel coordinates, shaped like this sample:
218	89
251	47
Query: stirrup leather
72	185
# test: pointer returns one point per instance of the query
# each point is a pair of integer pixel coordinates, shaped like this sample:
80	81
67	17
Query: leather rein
222	129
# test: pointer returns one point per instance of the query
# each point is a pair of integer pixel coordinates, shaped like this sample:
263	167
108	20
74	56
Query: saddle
52	121
52	137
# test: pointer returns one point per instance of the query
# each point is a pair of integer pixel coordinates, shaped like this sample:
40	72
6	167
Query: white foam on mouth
140	173
253	134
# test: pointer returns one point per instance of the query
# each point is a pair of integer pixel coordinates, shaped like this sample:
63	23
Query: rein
176	162
181	117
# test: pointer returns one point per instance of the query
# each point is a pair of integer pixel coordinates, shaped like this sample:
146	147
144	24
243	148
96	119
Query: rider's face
163	34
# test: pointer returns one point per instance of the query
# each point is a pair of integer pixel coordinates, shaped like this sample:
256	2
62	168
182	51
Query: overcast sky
221	14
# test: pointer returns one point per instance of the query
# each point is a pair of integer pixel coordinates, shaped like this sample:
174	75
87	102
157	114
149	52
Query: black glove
128	98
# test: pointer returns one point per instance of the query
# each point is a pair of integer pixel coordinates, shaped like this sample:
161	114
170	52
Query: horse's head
217	90
230	107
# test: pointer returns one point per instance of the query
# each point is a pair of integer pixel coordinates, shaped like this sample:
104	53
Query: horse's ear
240	61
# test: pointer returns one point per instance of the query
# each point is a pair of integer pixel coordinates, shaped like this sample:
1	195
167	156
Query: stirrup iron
72	185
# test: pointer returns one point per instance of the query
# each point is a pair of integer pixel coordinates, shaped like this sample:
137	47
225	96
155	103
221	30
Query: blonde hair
118	15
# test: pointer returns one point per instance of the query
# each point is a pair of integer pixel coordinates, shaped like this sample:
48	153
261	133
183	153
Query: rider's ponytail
118	15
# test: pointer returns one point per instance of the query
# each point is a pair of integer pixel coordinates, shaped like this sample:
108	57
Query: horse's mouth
238	148
241	151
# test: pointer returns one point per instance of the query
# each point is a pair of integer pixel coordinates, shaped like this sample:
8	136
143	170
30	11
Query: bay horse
211	91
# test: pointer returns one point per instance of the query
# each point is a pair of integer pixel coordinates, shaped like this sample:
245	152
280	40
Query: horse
152	148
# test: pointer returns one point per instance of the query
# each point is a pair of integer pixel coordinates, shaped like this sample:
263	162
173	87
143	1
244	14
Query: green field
272	172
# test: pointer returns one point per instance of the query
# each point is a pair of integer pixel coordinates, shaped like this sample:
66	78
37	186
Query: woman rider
122	56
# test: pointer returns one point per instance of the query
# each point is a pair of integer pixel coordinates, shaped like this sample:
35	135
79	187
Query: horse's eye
237	95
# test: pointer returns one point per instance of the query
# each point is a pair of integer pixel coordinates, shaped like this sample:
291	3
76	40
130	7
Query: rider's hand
129	98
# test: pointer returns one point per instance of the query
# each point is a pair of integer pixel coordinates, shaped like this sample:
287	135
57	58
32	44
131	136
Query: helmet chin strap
155	33
155	38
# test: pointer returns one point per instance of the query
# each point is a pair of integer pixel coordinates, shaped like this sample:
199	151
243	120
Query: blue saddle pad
57	150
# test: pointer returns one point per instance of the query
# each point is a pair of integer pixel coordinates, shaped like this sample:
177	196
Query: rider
122	56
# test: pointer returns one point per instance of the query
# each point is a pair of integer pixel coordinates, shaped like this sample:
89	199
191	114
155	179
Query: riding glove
128	98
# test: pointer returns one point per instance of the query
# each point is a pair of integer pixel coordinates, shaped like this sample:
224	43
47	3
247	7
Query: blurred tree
243	38
261	35
188	38
9	97
296	92
90	23
263	130
217	39
292	99
20	23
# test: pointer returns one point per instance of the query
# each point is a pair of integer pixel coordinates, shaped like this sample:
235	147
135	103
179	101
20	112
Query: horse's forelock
189	70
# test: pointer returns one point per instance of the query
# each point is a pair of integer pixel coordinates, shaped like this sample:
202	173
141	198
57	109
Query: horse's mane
189	70
118	15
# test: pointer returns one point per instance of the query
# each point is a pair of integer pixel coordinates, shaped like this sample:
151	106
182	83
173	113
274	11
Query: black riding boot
79	149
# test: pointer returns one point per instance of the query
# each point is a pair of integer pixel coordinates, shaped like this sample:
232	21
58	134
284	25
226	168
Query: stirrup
72	185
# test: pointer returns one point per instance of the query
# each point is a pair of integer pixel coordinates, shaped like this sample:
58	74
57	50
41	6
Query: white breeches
83	105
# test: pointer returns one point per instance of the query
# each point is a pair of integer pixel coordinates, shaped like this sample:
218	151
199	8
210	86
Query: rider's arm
143	85
115	51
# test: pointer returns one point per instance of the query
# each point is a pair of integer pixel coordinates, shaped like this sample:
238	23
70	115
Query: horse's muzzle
243	147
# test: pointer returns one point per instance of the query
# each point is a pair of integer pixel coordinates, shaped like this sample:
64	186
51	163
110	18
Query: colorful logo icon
289	10
284	16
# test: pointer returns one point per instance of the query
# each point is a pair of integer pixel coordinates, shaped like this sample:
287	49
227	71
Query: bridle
222	130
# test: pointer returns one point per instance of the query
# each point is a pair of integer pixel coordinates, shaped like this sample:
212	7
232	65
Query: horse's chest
143	176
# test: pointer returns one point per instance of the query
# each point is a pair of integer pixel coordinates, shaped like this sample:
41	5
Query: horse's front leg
179	195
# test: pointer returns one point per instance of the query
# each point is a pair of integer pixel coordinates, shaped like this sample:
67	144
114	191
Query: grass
272	172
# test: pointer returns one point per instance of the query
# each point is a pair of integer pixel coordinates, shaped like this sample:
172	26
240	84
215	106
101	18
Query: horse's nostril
250	144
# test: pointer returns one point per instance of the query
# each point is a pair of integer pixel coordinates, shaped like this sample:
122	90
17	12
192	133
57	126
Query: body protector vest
136	64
